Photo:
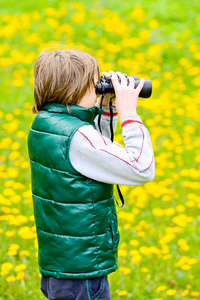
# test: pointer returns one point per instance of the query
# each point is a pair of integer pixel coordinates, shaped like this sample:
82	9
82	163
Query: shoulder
90	135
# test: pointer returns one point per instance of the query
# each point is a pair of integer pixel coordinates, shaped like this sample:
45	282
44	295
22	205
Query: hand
107	97
126	95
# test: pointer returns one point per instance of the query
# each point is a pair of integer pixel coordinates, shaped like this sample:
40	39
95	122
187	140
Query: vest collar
80	112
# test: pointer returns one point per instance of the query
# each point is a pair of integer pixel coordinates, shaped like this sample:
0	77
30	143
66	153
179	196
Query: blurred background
159	256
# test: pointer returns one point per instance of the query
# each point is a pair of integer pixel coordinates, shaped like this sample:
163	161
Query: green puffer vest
75	216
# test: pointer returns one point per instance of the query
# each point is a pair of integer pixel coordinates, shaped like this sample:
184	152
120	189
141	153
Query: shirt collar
80	112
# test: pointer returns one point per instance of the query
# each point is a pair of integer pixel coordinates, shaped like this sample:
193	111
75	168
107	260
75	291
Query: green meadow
159	251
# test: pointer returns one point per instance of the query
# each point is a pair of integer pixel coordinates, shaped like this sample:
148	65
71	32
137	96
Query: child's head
63	76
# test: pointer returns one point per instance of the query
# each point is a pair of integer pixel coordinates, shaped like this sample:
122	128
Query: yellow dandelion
18	82
134	243
25	165
12	253
26	233
141	233
20	275
10	279
144	34
197	55
168	256
169	211
127	226
27	194
194	294
125	270
7	266
135	211
161	288
13	155
186	267
185	247
50	11
12	172
78	17
171	292
122	252
27	105
20	267
159	212
154	250
15	146
21	134
15	211
185	293
192	261
166	198
24	253
144	250
144	270
9	117
92	34
32	218
14	247
153	24
16	198
6	210
3	157
10	233
136	259
154	50
138	15
181	242
180	208
123	293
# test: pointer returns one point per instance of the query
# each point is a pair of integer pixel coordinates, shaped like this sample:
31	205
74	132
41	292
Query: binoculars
104	86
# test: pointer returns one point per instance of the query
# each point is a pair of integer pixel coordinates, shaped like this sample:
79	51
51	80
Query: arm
98	158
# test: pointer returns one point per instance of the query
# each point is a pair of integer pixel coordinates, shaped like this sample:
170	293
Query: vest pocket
112	229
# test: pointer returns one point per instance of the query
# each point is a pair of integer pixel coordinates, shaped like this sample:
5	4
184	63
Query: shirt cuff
107	110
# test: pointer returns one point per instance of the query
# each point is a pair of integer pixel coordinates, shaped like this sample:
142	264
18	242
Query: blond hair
63	76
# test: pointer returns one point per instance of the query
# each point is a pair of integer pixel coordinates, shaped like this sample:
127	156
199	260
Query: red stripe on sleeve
108	114
130	121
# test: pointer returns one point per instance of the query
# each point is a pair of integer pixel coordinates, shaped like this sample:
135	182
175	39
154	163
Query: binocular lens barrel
105	86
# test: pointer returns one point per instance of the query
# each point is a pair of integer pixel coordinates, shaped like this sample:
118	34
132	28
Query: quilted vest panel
75	216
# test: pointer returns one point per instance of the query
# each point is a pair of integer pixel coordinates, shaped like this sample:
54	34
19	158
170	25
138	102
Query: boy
74	168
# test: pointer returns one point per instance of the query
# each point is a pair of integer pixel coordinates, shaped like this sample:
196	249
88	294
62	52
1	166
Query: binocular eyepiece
104	86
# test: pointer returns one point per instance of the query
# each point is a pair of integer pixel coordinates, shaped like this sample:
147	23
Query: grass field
159	252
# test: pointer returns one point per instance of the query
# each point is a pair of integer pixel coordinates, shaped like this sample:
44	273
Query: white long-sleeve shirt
95	156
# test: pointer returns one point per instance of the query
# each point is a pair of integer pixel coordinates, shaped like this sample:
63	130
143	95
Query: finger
114	80
122	78
119	74
140	86
111	73
105	74
131	82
